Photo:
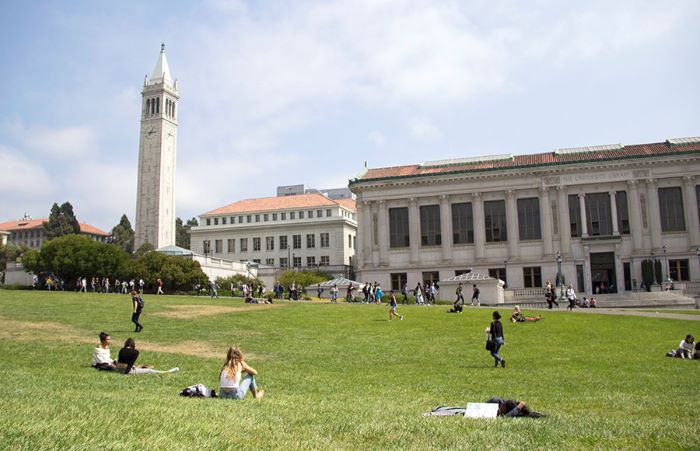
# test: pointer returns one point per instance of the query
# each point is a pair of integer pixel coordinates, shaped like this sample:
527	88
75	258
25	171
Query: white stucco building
155	193
31	233
604	208
306	230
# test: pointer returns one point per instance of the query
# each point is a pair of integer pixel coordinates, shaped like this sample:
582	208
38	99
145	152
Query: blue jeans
248	382
497	343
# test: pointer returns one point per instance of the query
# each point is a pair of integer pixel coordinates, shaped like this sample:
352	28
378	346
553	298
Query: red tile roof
540	159
32	224
280	203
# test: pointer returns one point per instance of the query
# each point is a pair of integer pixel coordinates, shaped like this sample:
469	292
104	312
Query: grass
338	376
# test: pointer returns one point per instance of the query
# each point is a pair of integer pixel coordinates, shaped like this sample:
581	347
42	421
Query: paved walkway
631	312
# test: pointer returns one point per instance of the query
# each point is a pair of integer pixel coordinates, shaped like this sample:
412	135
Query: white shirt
685	345
570	293
101	355
226	382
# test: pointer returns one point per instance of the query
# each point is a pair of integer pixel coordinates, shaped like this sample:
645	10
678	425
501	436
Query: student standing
137	301
475	296
571	297
496	331
159	282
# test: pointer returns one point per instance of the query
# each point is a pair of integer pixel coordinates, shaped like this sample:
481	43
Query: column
691	210
546	220
564	222
360	237
446	228
383	232
654	214
584	220
613	213
374	242
479	231
414	229
512	221
635	215
367	241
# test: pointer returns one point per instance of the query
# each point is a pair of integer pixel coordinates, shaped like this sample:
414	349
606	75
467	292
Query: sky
305	92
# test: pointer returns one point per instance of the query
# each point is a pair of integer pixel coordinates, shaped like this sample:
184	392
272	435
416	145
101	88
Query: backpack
139	302
198	391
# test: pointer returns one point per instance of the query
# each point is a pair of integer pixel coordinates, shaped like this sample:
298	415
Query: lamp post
664	274
653	267
697	252
560	277
505	270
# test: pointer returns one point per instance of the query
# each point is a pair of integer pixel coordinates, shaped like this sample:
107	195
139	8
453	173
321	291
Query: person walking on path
334	293
137	301
230	383
404	291
460	295
159	282
496	331
549	295
392	306
571	297
475	296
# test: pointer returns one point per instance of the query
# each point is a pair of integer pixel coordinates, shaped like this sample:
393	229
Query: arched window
148	105
173	112
157	105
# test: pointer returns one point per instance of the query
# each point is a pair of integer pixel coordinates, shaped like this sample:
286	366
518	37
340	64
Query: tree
73	256
122	235
10	252
304	278
182	232
62	221
145	249
177	273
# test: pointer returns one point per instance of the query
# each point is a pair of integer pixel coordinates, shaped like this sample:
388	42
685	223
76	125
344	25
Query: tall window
296	262
310	241
532	277
495	221
462	223
270	243
292	215
311	214
678	270
325	260
623	218
256	244
329	213
398	227
283	242
430	225
296	241
284	262
697	198
301	215
231	245
244	244
499	273
431	276
574	216
283	216
349	241
216	221
319	213
218	246
310	261
529	219
325	240
598	214
398	280
671	209
270	261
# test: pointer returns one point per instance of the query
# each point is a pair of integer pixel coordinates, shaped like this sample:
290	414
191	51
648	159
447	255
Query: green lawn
679	311
338	376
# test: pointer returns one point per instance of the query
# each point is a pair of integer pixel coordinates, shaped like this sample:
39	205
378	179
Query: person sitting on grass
594	303
127	358
696	355
251	300
101	358
230	383
685	348
512	408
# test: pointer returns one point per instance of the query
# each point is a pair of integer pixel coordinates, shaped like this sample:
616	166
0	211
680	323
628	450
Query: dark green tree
303	277
182	232
177	273
62	221
145	248
73	256
122	235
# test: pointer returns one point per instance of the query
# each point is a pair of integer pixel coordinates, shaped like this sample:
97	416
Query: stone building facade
302	231
603	209
30	232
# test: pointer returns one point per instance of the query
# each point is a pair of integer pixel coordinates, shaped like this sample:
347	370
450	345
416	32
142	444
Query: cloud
22	176
65	142
376	138
423	129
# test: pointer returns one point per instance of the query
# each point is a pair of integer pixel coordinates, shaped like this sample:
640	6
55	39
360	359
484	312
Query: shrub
305	278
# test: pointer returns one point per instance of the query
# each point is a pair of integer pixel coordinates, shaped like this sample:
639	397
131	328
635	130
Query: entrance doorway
603	273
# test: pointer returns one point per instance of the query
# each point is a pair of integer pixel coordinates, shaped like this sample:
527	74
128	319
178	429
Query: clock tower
155	192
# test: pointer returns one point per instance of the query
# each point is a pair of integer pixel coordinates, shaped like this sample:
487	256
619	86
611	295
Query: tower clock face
150	131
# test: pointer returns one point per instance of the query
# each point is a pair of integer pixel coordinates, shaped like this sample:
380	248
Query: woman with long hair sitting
230	383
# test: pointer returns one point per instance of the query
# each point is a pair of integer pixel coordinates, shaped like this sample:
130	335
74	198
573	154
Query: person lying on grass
512	408
127	358
518	317
101	358
230	383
